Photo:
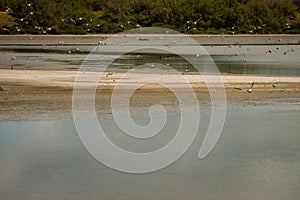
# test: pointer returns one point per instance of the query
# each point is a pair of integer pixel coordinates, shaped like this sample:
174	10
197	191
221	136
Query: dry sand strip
46	94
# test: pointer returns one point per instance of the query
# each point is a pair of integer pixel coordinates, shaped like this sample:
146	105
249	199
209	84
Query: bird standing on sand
109	74
250	88
13	59
59	43
76	50
186	71
274	85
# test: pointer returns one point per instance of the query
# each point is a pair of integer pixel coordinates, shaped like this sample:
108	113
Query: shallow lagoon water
231	59
257	157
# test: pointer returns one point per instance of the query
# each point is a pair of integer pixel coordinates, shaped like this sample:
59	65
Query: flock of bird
249	90
186	71
189	24
44	30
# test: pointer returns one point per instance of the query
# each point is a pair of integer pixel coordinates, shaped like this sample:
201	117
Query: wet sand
47	94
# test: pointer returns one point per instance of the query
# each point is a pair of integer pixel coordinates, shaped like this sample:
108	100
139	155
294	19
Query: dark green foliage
188	16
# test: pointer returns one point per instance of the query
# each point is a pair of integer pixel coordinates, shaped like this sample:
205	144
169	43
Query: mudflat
47	94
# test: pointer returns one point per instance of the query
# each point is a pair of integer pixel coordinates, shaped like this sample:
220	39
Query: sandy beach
47	94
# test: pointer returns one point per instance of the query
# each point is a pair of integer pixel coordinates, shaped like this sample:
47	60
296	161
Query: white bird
186	71
9	10
76	50
72	20
250	88
274	85
13	58
44	46
59	43
5	29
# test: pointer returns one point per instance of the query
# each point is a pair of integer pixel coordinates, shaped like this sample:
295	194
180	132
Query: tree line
113	16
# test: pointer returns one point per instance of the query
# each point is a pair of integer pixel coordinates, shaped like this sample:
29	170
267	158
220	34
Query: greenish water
257	157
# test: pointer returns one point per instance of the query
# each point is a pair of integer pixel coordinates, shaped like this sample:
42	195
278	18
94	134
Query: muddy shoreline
47	94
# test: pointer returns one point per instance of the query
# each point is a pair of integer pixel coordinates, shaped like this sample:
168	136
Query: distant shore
202	39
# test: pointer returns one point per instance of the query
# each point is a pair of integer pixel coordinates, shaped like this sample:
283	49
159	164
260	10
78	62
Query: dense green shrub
188	16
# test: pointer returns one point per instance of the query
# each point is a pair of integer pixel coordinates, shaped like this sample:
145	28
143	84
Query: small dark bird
109	74
237	88
269	51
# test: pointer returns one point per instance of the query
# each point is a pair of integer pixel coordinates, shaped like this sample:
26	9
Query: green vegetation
112	16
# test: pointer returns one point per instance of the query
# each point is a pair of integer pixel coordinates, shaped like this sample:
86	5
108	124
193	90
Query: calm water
257	157
232	59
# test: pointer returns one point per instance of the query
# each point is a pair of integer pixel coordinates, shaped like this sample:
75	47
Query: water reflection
257	157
